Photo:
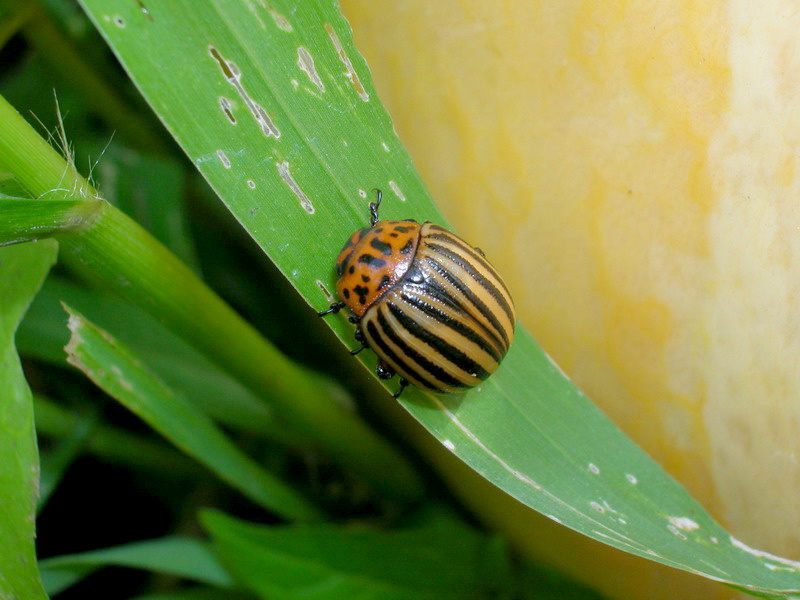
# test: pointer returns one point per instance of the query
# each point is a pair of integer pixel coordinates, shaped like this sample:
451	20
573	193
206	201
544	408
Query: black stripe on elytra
480	279
389	353
372	261
380	246
473	253
454	324
476	302
431	368
437	292
448	351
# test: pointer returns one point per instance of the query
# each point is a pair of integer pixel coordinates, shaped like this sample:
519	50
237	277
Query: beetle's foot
334	308
357	350
403	385
479	251
383	370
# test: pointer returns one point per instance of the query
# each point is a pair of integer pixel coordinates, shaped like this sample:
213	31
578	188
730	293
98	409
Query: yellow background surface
631	169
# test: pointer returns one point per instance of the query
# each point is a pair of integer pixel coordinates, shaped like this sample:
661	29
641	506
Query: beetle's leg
373	208
403	385
383	370
334	308
359	335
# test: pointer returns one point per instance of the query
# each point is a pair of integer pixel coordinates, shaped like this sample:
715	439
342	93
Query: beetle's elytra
427	303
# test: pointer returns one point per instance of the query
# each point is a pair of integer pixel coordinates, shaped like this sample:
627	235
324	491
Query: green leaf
121	255
198	594
180	556
22	270
111	443
26	219
538	583
151	190
284	123
56	462
120	374
42	335
326	562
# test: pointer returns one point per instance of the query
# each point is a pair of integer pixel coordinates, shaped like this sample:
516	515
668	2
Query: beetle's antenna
374	206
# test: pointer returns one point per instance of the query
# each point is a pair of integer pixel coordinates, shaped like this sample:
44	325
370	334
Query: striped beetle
428	304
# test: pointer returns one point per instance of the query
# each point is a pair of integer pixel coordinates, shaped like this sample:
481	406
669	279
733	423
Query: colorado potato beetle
427	303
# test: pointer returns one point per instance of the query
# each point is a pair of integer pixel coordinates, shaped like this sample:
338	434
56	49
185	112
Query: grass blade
284	123
56	462
118	372
326	562
110	443
25	220
42	336
22	269
180	556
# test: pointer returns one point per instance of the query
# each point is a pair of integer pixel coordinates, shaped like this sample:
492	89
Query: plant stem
118	253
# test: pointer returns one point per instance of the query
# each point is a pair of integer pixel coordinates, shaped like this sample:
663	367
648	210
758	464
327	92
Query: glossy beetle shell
427	303
373	260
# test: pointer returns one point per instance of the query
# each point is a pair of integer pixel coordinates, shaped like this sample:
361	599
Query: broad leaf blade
22	269
284	122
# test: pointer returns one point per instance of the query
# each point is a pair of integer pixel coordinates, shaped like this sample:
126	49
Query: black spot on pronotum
352	269
394	235
341	266
372	261
365	278
362	294
346	293
379	230
381	247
